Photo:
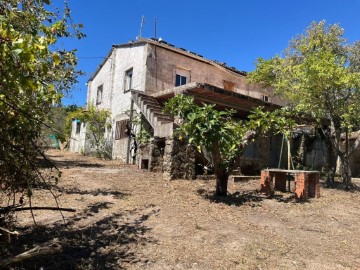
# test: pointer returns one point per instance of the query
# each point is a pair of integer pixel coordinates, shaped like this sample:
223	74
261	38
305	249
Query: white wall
77	141
126	58
103	77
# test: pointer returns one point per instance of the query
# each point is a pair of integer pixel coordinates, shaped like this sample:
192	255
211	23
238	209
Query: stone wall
179	159
156	155
143	155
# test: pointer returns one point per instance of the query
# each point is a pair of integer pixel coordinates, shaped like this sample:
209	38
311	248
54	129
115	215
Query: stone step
147	106
162	123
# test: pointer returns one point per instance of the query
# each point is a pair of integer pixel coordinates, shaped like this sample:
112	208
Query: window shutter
121	129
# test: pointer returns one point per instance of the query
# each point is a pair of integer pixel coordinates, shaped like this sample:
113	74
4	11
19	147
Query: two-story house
140	75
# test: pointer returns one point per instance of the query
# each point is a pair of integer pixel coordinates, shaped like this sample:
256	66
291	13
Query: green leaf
17	51
41	47
56	59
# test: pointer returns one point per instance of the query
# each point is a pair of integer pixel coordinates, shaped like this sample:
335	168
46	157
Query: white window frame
181	74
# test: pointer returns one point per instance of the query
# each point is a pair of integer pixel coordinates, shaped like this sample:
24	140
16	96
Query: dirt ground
128	218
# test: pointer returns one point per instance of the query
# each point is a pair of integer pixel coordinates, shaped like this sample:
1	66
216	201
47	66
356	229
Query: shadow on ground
102	192
69	164
109	243
353	187
251	196
237	198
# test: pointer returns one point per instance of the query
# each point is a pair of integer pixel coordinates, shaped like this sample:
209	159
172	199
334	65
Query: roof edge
101	64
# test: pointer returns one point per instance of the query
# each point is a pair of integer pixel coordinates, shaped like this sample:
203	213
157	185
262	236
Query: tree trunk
221	182
330	163
333	138
330	158
220	171
345	169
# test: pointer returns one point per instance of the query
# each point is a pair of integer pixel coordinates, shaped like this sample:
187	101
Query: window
78	127
122	129
265	98
99	94
180	80
128	80
181	76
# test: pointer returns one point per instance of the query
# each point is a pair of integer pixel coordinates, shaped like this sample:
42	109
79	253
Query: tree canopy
96	127
34	74
221	134
319	74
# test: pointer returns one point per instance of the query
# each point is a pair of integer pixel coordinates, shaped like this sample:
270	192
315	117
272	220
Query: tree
319	74
34	74
221	134
56	122
96	125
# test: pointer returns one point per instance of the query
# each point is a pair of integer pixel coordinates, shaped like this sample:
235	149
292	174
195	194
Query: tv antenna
155	27
141	25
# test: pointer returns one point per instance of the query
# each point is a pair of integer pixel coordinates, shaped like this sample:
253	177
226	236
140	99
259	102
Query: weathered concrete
163	65
77	141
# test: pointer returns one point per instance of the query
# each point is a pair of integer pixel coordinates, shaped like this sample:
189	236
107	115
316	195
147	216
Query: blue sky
233	31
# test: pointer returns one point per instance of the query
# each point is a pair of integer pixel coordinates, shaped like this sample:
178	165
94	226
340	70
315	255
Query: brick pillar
301	185
266	184
314	185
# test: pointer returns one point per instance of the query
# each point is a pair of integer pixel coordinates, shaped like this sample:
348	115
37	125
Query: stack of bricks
266	183
307	183
269	179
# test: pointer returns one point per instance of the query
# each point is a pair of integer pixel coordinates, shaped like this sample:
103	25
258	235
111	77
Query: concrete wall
112	76
354	158
315	155
103	77
126	58
163	64
77	141
120	147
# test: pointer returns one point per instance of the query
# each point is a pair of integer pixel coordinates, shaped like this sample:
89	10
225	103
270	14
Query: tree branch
11	209
50	247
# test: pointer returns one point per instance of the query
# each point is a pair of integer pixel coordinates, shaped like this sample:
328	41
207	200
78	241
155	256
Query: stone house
136	78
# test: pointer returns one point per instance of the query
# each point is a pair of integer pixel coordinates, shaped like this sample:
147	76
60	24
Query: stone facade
156	154
179	159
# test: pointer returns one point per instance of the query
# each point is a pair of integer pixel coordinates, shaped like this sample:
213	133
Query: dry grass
132	219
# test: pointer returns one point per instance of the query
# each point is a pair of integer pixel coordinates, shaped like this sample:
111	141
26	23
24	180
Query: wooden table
307	183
